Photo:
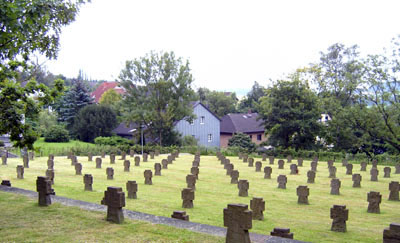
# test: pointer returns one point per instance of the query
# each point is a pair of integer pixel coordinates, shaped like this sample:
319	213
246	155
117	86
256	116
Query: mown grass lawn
22	220
214	191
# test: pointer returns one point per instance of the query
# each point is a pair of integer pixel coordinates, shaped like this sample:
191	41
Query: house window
259	137
202	120
209	138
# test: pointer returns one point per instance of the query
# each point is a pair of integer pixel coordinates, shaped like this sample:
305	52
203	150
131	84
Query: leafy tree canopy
250	102
221	103
243	141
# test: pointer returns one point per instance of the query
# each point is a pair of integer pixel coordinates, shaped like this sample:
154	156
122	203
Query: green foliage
243	142
93	121
69	105
290	114
27	27
250	102
112	141
56	133
110	97
219	103
189	141
158	93
46	120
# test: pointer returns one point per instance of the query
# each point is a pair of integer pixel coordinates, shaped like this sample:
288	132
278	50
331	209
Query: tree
158	93
250	102
71	102
27	27
291	114
220	103
242	141
94	121
113	100
46	120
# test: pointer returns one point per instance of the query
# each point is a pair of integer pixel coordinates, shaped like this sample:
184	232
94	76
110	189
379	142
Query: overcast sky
229	44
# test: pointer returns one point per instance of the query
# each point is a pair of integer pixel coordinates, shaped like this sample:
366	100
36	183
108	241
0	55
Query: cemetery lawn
23	220
48	148
213	192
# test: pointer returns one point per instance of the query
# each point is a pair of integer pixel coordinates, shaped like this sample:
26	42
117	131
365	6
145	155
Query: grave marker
4	159
50	164
127	165
339	216
282	232
363	166
281	164
6	183
243	186
88	181
50	175
392	234
114	198
148	174
180	215
234	176
20	172
132	188
271	160
90	156
191	181
238	219
251	161
112	158
257	206
145	157
387	171
78	169
293	169
335	187
394	188
282	180
356	180
98	163
137	161
187	197
310	176
314	166
110	173
43	187
374	174
26	161
374	199
157	169
267	172
332	172
258	166
195	171
349	169
302	192
164	163
300	162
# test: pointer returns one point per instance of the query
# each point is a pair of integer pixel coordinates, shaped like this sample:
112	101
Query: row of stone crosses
339	213
237	217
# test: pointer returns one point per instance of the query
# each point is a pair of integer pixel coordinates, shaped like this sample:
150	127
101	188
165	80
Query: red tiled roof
104	87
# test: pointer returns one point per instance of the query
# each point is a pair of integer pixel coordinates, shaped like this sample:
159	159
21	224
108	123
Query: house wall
200	131
224	138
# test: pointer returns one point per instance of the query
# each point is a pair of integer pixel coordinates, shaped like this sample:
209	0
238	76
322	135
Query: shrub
56	133
189	141
242	141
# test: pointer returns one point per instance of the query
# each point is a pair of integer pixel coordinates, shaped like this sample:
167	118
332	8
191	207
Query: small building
96	95
205	128
241	122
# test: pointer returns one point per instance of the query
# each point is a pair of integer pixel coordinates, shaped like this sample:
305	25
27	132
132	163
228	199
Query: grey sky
230	44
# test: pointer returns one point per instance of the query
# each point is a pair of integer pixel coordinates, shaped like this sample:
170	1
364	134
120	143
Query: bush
242	141
57	134
1	143
189	141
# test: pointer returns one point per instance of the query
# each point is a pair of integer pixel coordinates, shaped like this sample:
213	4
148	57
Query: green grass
26	221
214	191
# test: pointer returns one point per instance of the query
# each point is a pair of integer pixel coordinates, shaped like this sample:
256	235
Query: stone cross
20	172
394	188
169	159
164	163
392	234
330	163
375	163
78	169
310	176
349	169
356	180
344	162
131	153
31	155
374	174
258	166
132	188
180	215
4	159
90	156
264	157
293	169
50	164
145	157
195	163
43	187
226	165
157	152
5	183
257	206
302	193
74	160
127	165
387	171
315	159
157	169
363	166
374	199
289	159
98	163
339	215
271	160
195	171
397	167
51	156
245	157
243	186
281	164
191	181
50	175
187	197
251	162
335	186
103	155
110	173
26	161
88	181
69	156
148	174
137	161
267	172
282	232
332	172
123	155
114	198
240	154
152	155
282	180
238	219
112	158
234	176
314	166
300	162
